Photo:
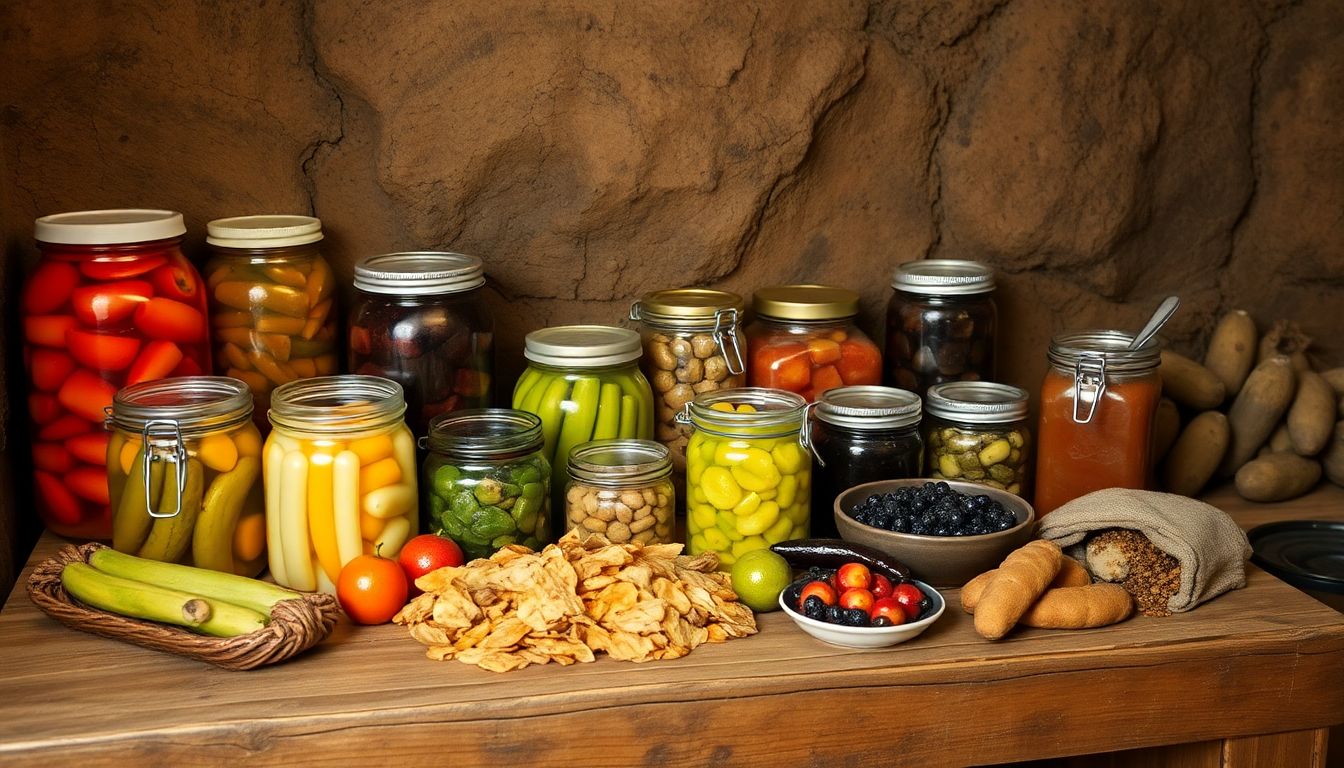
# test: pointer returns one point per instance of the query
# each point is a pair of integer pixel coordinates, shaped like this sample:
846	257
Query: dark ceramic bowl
943	561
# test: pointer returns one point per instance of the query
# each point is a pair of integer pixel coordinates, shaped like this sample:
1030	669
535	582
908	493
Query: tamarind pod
1260	404
1311	417
1198	451
1232	350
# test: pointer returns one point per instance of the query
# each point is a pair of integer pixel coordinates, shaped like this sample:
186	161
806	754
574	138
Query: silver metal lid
943	277
983	402
485	433
868	407
582	346
1110	348
619	463
264	231
196	404
346	403
109	227
419	273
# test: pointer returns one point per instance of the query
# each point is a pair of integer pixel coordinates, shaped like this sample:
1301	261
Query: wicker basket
296	625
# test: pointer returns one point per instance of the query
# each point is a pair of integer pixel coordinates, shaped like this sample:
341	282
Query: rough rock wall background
1099	155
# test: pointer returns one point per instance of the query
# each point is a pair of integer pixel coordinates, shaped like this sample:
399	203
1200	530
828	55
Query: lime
758	578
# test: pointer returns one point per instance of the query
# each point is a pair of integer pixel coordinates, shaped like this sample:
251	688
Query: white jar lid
943	277
419	273
582	346
109	227
264	231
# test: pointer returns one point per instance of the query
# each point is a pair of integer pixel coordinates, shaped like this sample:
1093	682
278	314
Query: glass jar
804	340
184	472
940	324
486	480
1098	401
113	302
748	475
693	343
420	320
861	434
340	473
977	432
585	384
621	489
272	303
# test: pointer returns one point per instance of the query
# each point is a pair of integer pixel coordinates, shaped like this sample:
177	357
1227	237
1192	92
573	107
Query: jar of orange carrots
804	340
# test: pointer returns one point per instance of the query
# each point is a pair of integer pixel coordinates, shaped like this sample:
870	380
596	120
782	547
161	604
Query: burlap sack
1211	548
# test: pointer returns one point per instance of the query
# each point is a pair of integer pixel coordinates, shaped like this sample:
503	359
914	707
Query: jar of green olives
977	431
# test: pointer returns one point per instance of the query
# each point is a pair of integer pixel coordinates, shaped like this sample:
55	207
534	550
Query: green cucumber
550	409
629	417
608	424
141	600
131	523
170	537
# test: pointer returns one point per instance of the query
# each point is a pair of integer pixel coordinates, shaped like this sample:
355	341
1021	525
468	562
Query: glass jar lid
582	346
805	302
350	403
196	405
485	433
264	231
1108	349
773	412
686	307
419	273
619	463
943	277
109	227
868	407
981	402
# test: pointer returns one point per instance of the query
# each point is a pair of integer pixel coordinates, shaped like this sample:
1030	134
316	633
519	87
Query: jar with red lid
804	340
112	302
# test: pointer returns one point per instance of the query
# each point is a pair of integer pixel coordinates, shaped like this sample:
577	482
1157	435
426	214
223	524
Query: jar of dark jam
858	435
940	324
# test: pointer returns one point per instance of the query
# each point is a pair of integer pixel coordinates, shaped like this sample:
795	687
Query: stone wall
1099	155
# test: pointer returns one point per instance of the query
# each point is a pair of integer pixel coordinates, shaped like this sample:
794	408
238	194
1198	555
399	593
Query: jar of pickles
584	382
1098	400
340	477
272	302
486	480
940	324
748	476
693	343
113	302
861	434
621	489
804	340
184	472
420	320
977	432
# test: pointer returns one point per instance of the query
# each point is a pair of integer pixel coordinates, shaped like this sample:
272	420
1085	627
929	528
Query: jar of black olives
940	324
977	431
860	434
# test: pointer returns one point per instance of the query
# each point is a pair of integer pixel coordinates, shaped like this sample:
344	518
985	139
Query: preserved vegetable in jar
340	477
1098	401
621	489
113	302
184	472
272	303
748	475
420	320
940	324
977	432
859	435
804	340
486	480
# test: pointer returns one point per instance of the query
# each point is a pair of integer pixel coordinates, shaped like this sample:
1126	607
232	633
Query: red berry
882	586
893	610
857	598
819	589
911	599
853	576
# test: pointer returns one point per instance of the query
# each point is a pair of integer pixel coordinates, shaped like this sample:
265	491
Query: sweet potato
1278	442
1277	477
1166	427
1189	383
1197	454
1260	404
1287	339
1232	348
1311	418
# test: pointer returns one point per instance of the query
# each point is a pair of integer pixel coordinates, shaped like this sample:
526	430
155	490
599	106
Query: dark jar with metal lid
621	489
858	435
978	432
941	324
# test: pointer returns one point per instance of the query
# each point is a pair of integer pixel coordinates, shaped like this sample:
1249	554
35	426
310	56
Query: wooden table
1252	678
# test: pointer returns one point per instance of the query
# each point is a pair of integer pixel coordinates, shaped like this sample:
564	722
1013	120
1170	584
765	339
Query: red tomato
893	610
65	427
371	589
43	409
176	281
89	483
857	598
860	362
109	303
121	268
425	553
47	330
90	448
910	597
60	503
49	288
50	457
853	576
102	351
85	395
882	586
49	369
161	318
819	589
156	361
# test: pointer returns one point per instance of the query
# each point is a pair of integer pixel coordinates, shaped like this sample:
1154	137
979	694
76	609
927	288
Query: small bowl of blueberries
946	532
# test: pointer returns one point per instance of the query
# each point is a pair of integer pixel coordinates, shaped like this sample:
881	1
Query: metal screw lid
582	346
805	302
419	273
619	463
109	227
977	401
263	231
943	277
868	407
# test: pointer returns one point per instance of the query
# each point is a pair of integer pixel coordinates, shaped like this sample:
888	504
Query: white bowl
868	637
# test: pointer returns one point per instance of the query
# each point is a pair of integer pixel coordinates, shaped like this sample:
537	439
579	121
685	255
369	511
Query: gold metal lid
700	304
805	302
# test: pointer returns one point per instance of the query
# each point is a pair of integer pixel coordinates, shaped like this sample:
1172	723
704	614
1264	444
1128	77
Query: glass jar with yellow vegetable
340	477
272	299
748	476
977	431
184	474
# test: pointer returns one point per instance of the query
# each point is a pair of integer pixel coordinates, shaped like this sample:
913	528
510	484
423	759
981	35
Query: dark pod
833	553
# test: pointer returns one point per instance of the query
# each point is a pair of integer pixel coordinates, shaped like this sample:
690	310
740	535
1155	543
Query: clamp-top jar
420	320
184	471
1098	400
859	435
940	324
977	432
621	489
804	340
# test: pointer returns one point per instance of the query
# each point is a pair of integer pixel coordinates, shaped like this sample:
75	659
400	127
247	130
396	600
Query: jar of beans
621	489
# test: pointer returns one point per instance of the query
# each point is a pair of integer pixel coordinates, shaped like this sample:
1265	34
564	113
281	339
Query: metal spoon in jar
1160	317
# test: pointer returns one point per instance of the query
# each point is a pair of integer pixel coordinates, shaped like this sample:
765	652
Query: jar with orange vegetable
804	340
113	302
1098	401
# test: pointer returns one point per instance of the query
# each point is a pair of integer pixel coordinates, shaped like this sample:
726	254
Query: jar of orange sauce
1097	405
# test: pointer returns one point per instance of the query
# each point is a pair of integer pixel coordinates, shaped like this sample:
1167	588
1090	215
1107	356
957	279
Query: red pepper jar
112	302
804	340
